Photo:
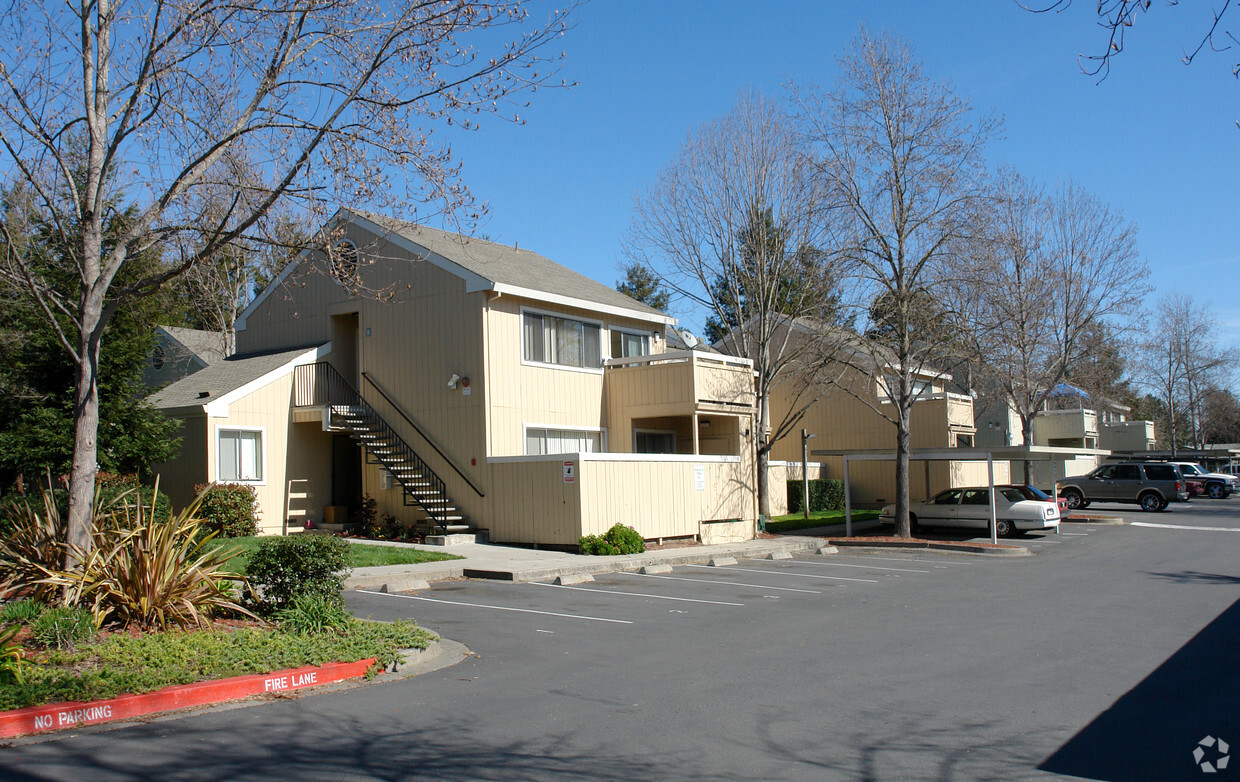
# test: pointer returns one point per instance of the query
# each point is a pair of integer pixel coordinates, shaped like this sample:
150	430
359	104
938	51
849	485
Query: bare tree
901	155
1181	361
1117	17
736	223
1051	268
317	104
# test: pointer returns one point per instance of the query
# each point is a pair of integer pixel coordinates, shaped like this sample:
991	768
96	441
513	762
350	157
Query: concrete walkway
512	563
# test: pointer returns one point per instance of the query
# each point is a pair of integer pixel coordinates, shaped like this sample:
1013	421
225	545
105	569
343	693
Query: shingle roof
220	378
507	265
206	345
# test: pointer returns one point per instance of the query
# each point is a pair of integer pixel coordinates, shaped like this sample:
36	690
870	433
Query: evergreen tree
37	374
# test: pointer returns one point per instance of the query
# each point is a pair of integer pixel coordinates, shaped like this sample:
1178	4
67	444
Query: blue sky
1157	139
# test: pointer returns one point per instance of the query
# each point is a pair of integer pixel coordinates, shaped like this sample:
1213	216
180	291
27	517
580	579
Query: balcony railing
686	377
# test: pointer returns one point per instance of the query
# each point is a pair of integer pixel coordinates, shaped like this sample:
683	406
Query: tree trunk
763	454
85	428
903	442
764	481
1026	433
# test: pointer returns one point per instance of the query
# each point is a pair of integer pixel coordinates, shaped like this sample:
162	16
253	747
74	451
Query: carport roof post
1010	453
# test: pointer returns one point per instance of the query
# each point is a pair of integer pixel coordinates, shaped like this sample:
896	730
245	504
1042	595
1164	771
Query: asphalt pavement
1108	655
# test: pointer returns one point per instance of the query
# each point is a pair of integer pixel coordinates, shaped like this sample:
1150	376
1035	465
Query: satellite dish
687	337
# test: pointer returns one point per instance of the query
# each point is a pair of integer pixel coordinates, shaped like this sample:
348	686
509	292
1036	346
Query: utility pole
805	437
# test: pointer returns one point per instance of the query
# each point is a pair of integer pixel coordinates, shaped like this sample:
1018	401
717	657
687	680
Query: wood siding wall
188	468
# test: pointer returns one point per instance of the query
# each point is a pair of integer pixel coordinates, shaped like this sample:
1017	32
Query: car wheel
1216	491
1151	502
1074	499
1004	528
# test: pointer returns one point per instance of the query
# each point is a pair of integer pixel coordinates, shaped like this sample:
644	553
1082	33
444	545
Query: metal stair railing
321	384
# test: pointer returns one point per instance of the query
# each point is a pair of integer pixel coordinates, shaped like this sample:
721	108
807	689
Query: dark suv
1152	485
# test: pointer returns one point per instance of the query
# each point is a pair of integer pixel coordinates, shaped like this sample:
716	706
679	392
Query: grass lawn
120	663
360	554
820	518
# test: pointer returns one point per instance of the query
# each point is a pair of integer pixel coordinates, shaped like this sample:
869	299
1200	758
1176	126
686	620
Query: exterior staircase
420	486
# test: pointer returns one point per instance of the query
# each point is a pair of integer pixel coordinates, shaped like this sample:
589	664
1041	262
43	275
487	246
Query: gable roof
206	346
229	379
488	266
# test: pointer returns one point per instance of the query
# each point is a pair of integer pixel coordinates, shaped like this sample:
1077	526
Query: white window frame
601	431
341	275
604	343
672	432
262	447
634	332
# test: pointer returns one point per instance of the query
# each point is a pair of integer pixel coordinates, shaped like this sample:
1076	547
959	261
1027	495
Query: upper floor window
343	262
625	344
550	339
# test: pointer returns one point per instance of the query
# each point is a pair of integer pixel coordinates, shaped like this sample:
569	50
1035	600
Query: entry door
346	473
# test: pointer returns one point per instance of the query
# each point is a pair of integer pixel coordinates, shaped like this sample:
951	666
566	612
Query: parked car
1152	485
1034	493
969	508
1218	486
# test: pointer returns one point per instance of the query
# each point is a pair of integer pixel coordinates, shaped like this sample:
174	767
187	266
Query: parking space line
911	559
637	594
798	575
1075	534
864	567
497	608
726	583
1182	526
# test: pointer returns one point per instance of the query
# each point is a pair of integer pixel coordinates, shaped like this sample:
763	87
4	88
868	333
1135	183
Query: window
157	357
949	497
891	382
1127	472
646	441
625	344
542	441
343	262
240	455
976	497
548	339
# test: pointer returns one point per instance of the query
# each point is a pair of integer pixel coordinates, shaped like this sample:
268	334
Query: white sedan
970	509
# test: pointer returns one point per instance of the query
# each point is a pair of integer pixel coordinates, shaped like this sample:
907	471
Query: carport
1007	453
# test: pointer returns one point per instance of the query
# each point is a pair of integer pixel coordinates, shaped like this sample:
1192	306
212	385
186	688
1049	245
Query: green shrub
21	612
230	509
287	567
366	519
13	662
313	614
66	627
824	494
617	540
113	490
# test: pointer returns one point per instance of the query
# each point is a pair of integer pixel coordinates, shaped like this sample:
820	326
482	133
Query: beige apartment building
466	385
848	418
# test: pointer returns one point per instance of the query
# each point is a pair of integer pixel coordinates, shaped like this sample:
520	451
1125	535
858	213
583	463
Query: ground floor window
240	455
542	441
649	441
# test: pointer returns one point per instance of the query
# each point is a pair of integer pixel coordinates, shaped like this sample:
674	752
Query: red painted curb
56	716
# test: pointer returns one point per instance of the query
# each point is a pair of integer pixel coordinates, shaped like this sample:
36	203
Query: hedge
824	494
231	509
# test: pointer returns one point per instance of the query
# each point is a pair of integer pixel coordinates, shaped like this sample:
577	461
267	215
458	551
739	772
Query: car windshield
1192	469
1013	495
1034	493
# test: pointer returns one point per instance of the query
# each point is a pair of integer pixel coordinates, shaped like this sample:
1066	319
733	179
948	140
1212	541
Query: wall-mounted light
454	381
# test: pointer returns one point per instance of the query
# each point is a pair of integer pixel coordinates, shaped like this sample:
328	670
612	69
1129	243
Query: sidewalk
512	563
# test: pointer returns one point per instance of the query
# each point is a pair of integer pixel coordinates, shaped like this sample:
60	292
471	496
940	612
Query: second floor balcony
680	382
1066	427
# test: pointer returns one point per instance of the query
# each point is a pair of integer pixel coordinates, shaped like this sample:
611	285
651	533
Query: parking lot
1108	655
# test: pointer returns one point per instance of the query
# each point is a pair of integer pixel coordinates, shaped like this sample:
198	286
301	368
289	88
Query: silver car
969	508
